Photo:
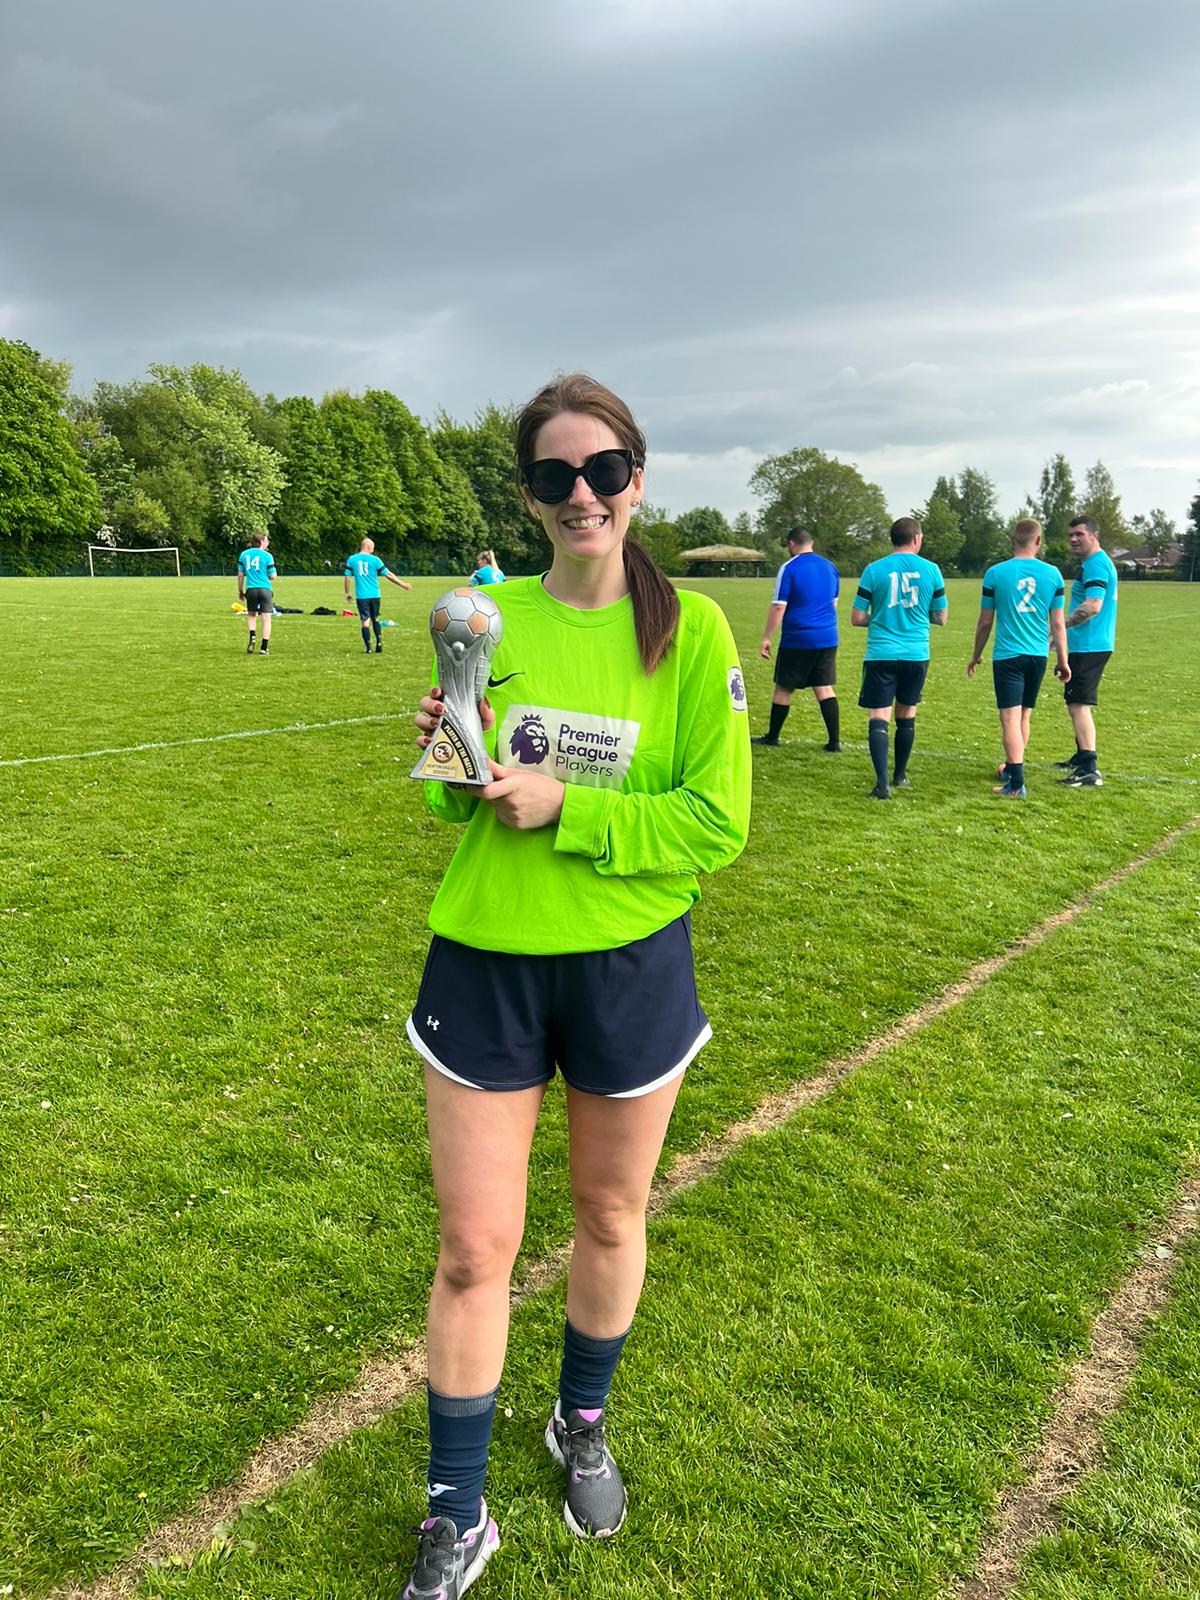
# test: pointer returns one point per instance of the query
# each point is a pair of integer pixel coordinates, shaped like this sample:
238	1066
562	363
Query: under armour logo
436	1489
432	1022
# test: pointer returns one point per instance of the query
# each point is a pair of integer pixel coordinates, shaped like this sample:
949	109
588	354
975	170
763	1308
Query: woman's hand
523	799
430	715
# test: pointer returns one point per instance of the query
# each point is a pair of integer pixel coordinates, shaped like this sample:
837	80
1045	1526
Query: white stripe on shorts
427	1054
698	1044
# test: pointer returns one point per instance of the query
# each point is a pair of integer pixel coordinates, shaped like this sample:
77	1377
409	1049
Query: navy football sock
778	718
587	1369
906	732
460	1430
1016	774
877	743
366	633
829	710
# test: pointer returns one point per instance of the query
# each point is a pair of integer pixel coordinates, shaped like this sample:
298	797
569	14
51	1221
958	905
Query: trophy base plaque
449	758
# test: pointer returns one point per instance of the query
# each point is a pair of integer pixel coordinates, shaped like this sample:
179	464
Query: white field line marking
382	1385
1094	1388
210	738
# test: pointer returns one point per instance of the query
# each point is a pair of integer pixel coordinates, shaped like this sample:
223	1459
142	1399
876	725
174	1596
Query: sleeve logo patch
737	689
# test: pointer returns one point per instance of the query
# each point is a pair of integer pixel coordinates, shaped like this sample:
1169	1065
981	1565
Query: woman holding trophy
619	769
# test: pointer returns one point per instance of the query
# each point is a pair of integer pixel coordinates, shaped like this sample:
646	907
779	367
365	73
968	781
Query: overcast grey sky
916	233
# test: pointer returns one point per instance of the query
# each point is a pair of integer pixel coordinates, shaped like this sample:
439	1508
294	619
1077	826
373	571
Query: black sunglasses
607	472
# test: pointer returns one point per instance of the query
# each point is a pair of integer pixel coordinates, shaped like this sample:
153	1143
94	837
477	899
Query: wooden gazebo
722	561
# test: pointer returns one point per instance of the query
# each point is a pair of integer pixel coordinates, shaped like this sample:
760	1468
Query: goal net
154	561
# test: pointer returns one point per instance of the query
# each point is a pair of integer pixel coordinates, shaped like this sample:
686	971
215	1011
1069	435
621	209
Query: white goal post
118	550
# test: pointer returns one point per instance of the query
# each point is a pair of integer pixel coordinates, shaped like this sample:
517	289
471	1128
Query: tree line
192	457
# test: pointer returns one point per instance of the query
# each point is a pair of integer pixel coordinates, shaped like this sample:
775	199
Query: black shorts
885	681
368	610
806	669
1087	668
1017	680
615	1022
259	600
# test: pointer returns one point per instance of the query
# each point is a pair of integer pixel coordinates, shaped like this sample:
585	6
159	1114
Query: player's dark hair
799	536
1089	524
655	602
905	530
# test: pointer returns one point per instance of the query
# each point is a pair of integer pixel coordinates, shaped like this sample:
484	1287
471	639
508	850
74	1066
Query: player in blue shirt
1092	629
487	570
805	601
255	570
1024	597
898	597
365	570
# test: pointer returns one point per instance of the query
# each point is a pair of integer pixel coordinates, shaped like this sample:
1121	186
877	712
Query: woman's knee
610	1221
471	1257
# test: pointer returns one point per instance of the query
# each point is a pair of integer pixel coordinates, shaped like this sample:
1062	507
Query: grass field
214	1198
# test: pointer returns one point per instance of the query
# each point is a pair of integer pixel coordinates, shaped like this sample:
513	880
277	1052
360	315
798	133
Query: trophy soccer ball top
465	626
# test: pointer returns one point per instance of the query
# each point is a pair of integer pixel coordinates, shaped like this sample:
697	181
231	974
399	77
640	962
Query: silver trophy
465	626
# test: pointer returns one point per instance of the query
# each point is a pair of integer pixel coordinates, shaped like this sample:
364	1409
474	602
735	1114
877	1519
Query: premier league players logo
466	626
529	742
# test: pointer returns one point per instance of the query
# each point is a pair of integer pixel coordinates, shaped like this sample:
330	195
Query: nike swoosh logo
436	1489
494	683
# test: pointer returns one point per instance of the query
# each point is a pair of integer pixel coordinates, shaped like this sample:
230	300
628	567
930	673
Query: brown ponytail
655	602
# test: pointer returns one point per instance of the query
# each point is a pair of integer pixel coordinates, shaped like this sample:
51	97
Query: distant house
1140	563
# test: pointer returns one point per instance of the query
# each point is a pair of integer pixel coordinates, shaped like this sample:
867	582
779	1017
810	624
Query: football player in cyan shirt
898	597
255	570
365	570
1092	625
1024	597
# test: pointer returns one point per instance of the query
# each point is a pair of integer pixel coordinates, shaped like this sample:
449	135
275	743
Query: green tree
1154	532
1102	501
983	529
701	526
846	515
301	527
485	451
128	512
49	504
364	496
654	528
1054	505
188	432
1189	567
943	539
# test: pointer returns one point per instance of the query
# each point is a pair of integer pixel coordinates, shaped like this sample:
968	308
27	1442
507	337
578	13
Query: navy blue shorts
615	1022
885	681
368	610
1017	680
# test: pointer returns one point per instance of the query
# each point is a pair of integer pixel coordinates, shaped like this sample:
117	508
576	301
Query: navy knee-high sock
460	1431
829	711
366	633
877	743
587	1369
906	732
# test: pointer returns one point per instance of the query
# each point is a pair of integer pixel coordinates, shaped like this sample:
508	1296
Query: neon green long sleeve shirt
657	774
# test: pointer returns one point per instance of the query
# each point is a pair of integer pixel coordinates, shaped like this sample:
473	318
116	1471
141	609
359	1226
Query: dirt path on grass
384	1384
1097	1384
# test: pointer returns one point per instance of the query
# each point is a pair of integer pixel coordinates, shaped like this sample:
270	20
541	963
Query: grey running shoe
446	1566
595	1504
879	792
250	647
